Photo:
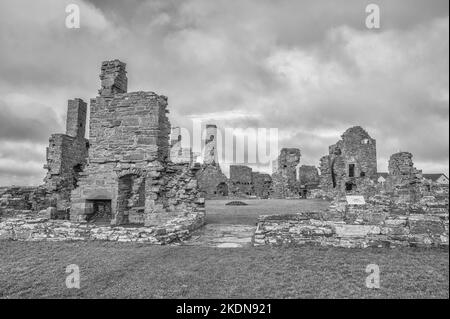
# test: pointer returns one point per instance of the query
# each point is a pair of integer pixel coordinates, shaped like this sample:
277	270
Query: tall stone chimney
76	118
113	78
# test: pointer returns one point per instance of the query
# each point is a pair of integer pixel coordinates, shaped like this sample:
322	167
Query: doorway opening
101	212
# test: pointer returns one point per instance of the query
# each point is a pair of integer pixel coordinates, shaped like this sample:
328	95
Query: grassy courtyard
219	213
127	270
115	270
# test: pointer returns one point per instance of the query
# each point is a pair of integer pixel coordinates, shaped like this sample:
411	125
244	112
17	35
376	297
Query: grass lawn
126	270
219	213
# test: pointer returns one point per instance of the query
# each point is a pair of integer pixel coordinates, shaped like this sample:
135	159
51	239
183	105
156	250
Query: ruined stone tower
129	178
212	182
210	156
76	118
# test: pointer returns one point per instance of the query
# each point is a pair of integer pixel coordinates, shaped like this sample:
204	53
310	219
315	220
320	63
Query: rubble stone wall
404	181
284	181
376	224
16	200
25	228
66	157
351	165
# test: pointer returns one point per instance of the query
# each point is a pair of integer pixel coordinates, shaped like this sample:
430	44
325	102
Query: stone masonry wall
376	224
129	127
129	178
351	166
404	181
241	180
212	182
262	184
24	228
66	158
284	181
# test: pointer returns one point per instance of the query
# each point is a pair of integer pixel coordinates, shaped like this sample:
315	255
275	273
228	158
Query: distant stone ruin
284	179
211	181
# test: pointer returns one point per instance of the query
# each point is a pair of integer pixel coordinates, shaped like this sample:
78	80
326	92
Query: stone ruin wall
351	166
241	181
378	223
126	162
212	182
404	181
262	184
284	180
66	157
128	158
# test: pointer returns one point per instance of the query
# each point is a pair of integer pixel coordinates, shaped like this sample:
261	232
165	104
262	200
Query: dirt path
222	236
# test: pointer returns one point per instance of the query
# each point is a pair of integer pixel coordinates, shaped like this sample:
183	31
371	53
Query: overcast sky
309	68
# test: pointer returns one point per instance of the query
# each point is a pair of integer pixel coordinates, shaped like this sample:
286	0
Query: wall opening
349	186
101	212
351	170
333	174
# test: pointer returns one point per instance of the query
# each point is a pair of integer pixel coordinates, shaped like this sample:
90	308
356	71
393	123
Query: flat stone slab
222	236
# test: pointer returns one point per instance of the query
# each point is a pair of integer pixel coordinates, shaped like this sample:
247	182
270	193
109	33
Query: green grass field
115	270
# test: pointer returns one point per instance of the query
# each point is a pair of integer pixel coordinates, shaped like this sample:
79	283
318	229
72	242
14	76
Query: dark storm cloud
309	68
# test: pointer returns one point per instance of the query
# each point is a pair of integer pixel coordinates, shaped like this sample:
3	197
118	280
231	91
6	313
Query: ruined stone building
351	166
284	179
127	177
67	156
241	180
211	181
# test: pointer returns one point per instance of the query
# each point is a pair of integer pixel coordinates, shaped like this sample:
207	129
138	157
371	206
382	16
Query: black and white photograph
223	156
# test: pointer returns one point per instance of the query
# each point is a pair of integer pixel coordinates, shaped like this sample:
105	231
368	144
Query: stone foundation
25	228
376	224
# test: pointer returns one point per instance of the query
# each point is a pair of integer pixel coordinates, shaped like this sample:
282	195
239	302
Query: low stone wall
354	227
25	228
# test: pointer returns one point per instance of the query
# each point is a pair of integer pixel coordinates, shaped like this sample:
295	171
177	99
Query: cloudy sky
309	68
